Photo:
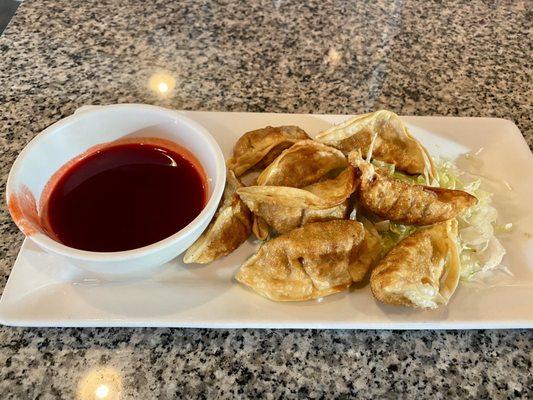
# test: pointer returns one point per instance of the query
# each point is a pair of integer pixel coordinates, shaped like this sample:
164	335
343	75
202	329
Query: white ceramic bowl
71	136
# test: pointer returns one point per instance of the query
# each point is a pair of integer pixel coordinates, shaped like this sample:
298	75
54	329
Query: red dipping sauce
125	196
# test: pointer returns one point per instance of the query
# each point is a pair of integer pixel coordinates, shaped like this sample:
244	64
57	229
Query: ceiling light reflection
163	87
100	384
162	83
102	391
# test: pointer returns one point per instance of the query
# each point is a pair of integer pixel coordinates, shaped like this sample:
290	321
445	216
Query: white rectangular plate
43	290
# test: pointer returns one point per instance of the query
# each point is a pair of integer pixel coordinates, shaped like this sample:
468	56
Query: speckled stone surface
461	58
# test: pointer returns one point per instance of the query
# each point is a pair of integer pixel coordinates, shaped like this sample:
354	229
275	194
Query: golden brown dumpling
313	261
230	227
421	271
392	142
257	149
369	252
303	164
285	208
406	203
260	228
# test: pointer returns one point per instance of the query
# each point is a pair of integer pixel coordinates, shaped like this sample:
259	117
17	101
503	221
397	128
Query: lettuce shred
480	250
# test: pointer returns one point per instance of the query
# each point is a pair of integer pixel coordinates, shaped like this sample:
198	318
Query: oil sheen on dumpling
305	163
313	261
403	202
230	227
369	252
257	149
384	133
421	271
285	208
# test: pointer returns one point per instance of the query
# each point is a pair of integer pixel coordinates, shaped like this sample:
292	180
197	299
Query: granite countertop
465	58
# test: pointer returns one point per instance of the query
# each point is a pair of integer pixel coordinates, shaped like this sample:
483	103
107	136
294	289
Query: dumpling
285	208
421	271
313	261
369	252
403	202
303	164
260	228
384	134
256	149
230	227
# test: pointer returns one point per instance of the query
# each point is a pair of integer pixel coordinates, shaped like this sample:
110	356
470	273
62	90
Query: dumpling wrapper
230	227
257	149
303	164
313	261
403	202
421	271
389	140
260	227
285	208
369	252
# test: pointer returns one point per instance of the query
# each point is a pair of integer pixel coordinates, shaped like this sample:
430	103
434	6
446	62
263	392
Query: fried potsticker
285	208
403	202
229	228
313	261
421	271
256	149
384	135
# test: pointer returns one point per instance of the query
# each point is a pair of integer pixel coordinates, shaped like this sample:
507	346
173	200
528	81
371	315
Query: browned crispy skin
303	164
367	256
256	149
260	227
230	227
285	208
425	260
313	261
406	203
283	219
393	143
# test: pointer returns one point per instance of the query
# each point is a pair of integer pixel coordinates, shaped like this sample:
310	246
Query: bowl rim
51	245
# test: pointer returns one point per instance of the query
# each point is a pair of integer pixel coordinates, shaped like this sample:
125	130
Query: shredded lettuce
394	234
480	250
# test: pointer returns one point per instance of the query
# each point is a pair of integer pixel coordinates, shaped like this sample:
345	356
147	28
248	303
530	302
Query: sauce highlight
124	197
